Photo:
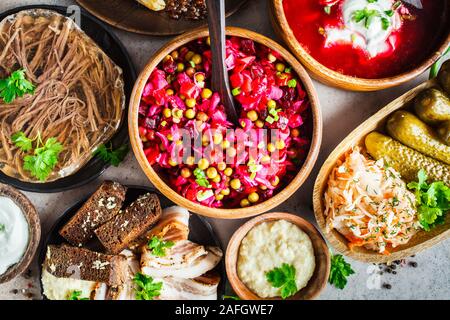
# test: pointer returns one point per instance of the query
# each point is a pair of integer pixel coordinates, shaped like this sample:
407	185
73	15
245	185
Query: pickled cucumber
409	130
432	106
444	76
405	160
444	132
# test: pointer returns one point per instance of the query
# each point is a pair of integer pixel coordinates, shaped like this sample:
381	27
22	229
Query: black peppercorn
413	264
387	286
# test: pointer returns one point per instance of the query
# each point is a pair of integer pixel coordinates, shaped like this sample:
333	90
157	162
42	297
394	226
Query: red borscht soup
368	38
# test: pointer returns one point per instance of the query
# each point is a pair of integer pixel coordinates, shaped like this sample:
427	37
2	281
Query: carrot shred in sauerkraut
369	204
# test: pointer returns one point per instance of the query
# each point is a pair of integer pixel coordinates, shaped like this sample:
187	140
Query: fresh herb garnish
16	85
433	200
110	155
75	295
283	278
44	158
2	227
22	141
339	271
159	246
389	13
385	23
372	1
200	178
365	15
231	298
292	83
146	288
327	9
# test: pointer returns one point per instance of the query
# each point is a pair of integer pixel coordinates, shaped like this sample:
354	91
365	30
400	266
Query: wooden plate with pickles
408	138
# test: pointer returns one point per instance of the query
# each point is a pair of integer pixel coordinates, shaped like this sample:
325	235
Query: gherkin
405	160
412	132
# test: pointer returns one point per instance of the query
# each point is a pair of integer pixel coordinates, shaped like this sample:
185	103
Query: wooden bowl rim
34	231
233	246
339	80
322	178
234	213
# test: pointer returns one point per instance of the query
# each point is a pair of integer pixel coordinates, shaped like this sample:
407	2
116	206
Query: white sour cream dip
14	234
373	35
266	247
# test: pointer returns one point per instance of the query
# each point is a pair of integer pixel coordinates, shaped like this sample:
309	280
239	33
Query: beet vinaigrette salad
186	136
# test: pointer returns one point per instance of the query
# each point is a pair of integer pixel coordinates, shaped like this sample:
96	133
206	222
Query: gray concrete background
342	112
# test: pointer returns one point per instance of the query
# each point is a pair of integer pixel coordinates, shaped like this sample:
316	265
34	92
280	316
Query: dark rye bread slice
101	207
65	261
119	232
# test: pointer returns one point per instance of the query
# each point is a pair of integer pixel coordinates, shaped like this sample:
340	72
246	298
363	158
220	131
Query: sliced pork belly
172	226
185	260
200	288
126	290
56	288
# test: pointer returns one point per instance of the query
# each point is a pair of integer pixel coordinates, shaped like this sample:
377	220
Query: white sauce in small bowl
267	246
14	234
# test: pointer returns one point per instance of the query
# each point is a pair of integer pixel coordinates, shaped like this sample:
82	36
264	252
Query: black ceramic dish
200	231
131	16
112	46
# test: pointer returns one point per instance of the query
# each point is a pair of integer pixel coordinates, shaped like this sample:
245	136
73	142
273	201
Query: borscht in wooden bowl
364	44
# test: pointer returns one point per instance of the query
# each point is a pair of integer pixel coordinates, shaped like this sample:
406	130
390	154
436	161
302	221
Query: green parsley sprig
159	246
16	85
2	227
432	200
367	15
75	295
339	271
236	298
110	155
146	288
283	278
44	157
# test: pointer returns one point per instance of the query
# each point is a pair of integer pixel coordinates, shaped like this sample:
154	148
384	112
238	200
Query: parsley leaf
339	271
225	297
433	200
385	23
159	246
75	295
365	15
283	278
2	227
146	288
44	158
110	155
22	141
200	178
15	86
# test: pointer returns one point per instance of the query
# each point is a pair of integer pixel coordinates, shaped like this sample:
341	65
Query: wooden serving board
422	240
131	16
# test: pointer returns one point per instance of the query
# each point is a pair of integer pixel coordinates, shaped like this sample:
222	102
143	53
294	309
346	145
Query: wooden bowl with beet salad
195	156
